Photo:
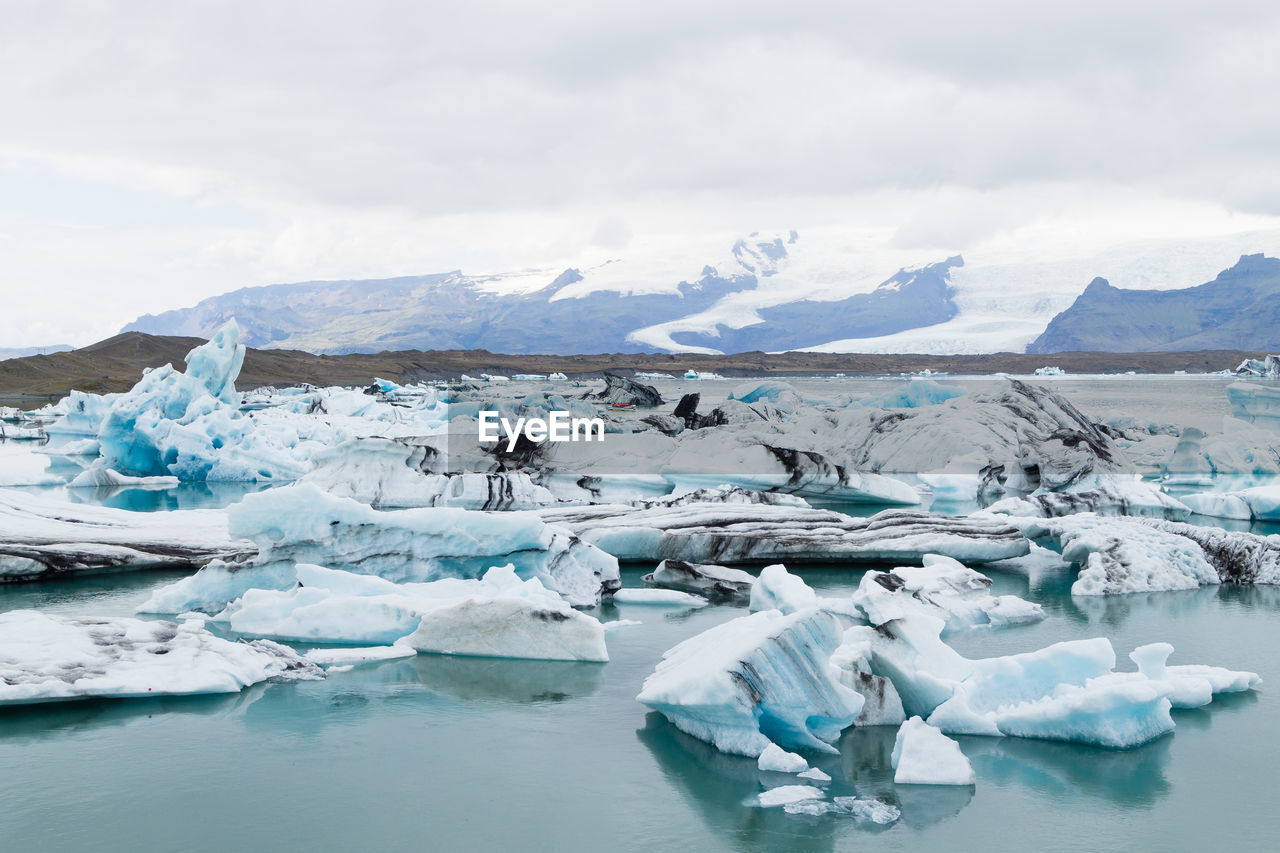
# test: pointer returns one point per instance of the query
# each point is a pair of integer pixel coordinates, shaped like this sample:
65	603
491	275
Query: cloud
339	139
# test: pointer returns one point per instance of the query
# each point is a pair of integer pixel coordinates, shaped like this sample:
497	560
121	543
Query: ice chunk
814	774
922	755
1260	502
48	658
777	759
756	680
46	536
714	582
99	477
788	794
512	628
661	597
362	654
778	589
499	615
882	706
868	811
1106	495
944	588
1122	555
714	532
388	474
301	524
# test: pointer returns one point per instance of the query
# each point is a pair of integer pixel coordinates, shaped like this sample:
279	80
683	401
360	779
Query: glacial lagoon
449	753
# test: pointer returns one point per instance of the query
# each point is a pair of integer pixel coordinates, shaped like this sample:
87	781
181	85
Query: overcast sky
152	154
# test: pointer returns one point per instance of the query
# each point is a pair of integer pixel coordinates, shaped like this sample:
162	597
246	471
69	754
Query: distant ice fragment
945	588
788	794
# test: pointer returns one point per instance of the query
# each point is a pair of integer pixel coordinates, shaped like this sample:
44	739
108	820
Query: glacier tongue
756	680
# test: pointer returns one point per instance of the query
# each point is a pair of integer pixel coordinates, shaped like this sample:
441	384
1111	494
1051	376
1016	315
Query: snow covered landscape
313	534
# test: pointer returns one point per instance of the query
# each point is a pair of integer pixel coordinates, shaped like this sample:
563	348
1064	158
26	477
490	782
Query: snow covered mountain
1240	309
834	290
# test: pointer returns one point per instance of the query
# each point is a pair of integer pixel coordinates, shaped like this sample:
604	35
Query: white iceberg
659	597
499	615
778	760
942	587
49	658
715	582
778	589
756	680
300	524
922	755
1260	502
788	794
43	536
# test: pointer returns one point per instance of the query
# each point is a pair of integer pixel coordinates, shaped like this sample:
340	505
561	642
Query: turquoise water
443	753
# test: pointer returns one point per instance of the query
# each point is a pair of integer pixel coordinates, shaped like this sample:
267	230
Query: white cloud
289	140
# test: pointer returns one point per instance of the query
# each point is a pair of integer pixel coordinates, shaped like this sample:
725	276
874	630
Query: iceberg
778	589
659	597
1067	691
42	537
922	755
1122	555
714	532
396	474
787	795
756	680
778	760
498	615
47	658
300	524
1261	503
863	810
944	588
1108	495
714	582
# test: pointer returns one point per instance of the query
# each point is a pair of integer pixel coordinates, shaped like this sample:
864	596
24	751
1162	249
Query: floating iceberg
391	474
778	760
868	811
47	659
778	589
756	680
1122	555
714	582
1067	691
788	795
715	532
301	524
499	615
944	588
42	536
1106	495
1260	502
659	597
922	755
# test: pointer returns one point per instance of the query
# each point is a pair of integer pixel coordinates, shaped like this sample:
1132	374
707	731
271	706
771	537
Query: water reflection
1064	771
55	720
506	681
718	785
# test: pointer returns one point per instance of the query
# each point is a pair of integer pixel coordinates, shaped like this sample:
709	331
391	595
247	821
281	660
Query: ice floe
300	524
714	582
944	588
43	536
47	658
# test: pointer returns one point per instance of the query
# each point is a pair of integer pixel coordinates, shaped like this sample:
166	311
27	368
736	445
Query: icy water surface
439	753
